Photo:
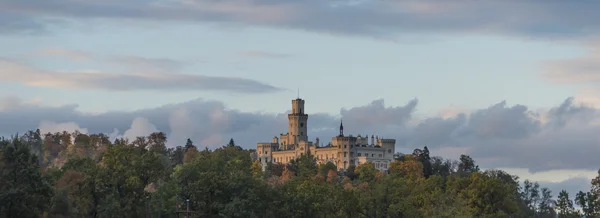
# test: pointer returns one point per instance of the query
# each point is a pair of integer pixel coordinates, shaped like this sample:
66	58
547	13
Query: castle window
345	154
301	124
359	154
380	155
301	133
345	146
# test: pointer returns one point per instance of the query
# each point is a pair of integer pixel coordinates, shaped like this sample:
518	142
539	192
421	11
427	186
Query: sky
514	84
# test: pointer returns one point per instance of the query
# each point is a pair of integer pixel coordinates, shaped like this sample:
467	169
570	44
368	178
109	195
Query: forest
87	175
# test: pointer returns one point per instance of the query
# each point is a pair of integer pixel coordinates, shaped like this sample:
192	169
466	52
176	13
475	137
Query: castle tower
298	122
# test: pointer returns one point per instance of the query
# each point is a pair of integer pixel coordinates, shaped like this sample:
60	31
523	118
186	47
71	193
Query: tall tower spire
341	127
298	93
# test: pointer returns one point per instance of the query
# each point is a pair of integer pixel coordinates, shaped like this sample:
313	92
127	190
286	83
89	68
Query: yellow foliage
256	168
409	168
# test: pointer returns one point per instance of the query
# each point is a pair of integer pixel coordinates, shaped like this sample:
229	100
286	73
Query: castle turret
298	129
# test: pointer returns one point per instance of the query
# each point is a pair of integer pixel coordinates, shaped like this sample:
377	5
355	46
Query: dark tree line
80	175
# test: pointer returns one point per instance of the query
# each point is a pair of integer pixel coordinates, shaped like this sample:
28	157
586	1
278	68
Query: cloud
14	71
128	63
263	54
584	69
142	64
76	55
500	136
49	126
539	19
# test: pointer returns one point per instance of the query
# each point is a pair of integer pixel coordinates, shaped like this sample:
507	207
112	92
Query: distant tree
256	169
157	142
588	203
189	144
351	172
467	164
546	204
366	172
332	176
274	169
231	143
409	168
565	207
190	154
24	191
304	166
423	157
176	155
324	168
441	167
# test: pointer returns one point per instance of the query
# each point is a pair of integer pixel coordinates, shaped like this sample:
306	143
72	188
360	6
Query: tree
256	169
588	203
423	157
189	144
88	176
25	192
467	165
157	142
305	166
409	168
325	168
366	172
231	143
546	204
176	155
565	206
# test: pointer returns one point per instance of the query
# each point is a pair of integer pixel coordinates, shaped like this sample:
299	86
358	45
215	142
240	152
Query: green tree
325	168
25	192
565	207
366	172
467	165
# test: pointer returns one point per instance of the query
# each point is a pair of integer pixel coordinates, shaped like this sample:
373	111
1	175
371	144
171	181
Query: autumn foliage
80	175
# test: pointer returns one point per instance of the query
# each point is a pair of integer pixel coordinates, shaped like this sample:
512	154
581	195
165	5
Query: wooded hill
80	175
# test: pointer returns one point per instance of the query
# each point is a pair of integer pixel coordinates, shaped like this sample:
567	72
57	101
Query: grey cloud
130	63
540	19
499	136
15	23
14	71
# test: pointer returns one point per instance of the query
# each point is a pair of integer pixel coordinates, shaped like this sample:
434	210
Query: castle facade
343	151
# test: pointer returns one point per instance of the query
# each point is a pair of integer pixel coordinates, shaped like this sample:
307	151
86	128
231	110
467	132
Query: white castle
343	150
